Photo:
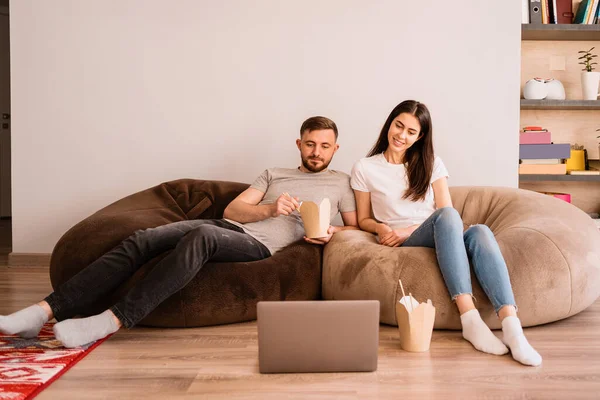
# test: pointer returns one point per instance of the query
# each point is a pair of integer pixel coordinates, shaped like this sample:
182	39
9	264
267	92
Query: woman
402	195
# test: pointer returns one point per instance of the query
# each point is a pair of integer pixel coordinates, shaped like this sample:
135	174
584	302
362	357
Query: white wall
110	97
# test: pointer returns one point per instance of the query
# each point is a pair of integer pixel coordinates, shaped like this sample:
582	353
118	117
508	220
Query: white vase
589	84
556	90
535	89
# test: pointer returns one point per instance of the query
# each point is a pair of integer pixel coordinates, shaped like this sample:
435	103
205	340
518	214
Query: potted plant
589	79
598	137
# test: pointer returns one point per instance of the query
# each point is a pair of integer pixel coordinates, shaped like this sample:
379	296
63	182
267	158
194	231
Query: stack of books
538	155
560	12
587	12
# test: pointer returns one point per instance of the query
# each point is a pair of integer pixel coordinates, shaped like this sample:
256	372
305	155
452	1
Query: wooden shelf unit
560	104
585	189
563	178
560	32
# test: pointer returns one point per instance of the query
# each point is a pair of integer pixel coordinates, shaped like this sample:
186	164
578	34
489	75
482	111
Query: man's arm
350	221
245	208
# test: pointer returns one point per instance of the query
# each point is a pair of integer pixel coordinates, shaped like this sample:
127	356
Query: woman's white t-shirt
387	183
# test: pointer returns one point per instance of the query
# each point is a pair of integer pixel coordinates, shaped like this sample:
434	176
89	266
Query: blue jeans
443	231
194	243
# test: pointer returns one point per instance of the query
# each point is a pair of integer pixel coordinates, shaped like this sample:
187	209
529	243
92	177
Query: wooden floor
221	362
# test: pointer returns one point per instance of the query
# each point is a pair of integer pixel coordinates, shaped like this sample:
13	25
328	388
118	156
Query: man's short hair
318	123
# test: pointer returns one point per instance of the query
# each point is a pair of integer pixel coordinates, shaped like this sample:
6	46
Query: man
259	222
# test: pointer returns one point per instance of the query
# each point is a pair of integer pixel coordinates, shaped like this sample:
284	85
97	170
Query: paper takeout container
415	323
316	218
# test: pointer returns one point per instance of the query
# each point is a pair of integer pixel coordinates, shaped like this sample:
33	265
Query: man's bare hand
325	239
285	205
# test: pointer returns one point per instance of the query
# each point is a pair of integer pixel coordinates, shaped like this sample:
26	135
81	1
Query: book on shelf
561	196
531	128
542	169
535	137
547	11
587	12
537	151
535	12
524	11
543	161
592	18
564	11
552	17
591	171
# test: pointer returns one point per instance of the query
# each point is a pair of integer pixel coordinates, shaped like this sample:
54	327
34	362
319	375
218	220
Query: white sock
77	332
480	336
26	323
519	346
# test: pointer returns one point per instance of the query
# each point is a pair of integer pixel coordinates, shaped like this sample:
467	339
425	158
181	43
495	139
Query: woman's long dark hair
419	157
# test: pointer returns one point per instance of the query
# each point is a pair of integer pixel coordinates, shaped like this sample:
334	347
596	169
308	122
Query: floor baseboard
27	259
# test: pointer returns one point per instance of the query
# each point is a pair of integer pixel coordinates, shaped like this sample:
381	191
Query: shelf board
564	178
560	32
559	178
560	104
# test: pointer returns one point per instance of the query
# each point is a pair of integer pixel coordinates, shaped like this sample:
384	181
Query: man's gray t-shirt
276	233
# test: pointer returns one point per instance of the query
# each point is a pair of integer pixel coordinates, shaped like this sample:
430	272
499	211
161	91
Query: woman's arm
366	221
441	193
442	198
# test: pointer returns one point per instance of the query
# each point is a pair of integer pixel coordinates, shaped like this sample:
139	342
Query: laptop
318	336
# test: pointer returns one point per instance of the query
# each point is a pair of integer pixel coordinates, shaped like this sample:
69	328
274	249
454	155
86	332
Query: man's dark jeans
194	243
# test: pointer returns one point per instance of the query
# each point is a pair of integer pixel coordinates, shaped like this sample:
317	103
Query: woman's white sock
519	346
480	336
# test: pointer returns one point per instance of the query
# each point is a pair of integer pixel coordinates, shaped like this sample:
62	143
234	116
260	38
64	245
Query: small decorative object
535	89
539	89
589	78
577	160
598	137
556	90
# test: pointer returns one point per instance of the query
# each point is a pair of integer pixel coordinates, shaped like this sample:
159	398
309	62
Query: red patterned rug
28	366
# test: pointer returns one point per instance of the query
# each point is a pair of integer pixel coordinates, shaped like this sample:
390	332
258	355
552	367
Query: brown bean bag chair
221	292
552	250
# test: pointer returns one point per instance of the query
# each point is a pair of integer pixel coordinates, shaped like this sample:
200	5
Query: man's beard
305	163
